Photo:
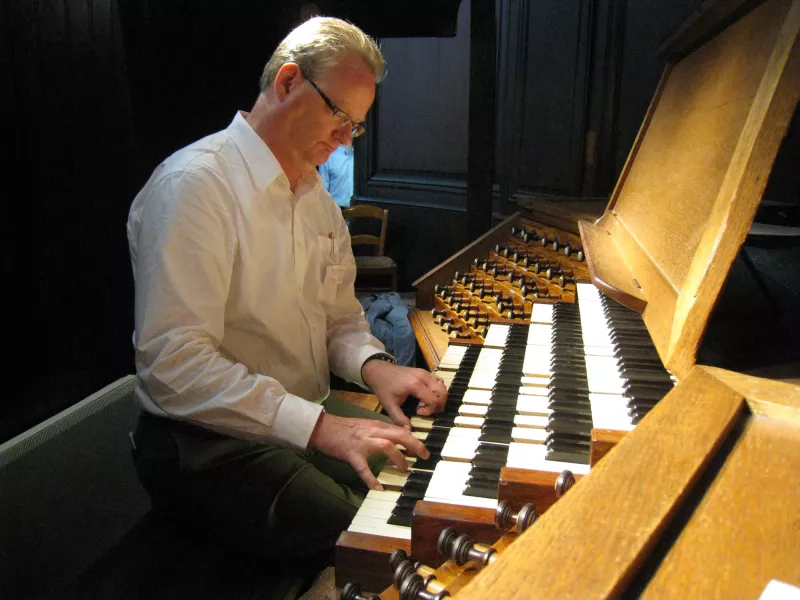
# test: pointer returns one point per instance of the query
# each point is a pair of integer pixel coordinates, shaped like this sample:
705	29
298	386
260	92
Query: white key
383	496
536	435
482	381
375	512
446	376
610	411
447	485
459	449
536	381
526	405
529	390
473	410
393	479
533	405
496	336
362	524
533	457
527	435
542	313
452	357
603	376
472	422
540	335
482	397
421	423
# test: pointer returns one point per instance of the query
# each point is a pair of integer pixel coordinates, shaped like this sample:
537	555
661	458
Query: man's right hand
353	440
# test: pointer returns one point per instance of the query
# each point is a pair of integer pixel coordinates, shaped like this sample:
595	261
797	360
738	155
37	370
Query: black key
400	516
406	501
575	427
428	464
481	492
638	392
565	456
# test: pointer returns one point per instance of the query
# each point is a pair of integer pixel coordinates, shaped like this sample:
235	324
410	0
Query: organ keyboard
527	398
541	360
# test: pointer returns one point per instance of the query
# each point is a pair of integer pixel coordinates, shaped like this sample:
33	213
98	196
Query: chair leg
394	279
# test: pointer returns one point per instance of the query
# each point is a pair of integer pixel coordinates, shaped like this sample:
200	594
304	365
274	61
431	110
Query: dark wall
573	83
67	146
645	24
193	63
93	94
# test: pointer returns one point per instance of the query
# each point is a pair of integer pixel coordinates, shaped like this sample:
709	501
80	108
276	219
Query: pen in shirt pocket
330	237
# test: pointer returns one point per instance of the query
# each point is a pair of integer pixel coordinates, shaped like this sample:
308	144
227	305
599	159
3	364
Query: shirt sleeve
350	342
324	172
183	243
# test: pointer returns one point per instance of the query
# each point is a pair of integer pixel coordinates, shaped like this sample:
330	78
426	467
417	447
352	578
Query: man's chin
323	156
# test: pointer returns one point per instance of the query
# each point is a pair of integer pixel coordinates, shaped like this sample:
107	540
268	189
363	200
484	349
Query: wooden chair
377	265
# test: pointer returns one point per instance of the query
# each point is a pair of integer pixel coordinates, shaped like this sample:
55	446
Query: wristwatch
381	356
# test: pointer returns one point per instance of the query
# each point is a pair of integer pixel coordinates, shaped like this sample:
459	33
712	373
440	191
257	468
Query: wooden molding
430	518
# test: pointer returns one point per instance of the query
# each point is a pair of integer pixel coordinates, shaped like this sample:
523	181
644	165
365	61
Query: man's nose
344	134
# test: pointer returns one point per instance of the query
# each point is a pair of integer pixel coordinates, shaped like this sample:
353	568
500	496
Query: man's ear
288	79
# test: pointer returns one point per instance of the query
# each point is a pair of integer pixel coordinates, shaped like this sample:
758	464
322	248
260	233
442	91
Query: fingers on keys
400	435
432	394
361	467
396	415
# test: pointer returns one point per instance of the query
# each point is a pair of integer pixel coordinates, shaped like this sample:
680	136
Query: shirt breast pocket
331	274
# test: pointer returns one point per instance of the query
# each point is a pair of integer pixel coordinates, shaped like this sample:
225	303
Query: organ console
581	347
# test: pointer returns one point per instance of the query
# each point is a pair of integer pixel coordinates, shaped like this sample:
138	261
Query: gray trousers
251	497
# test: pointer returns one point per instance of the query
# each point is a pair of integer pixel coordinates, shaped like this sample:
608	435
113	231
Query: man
337	175
244	304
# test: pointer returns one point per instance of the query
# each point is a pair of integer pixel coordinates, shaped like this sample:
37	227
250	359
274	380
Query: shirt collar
260	160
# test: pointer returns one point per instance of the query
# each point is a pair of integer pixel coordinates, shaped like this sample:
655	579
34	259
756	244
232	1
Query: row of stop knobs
480	324
554	272
461	303
551	242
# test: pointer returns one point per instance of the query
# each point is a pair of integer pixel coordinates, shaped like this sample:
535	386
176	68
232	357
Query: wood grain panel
364	559
429	519
776	399
746	530
691	141
603	440
694	179
431	340
521	486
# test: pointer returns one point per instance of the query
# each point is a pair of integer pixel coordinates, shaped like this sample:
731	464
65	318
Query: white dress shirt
244	292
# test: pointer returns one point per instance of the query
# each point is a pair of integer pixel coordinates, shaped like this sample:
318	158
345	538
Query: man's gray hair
317	45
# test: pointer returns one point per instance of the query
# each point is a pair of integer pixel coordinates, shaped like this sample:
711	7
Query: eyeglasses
356	129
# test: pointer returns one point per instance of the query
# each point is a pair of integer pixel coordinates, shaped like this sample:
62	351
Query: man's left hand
392	384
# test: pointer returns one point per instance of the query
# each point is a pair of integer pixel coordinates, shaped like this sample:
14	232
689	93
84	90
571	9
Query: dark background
93	93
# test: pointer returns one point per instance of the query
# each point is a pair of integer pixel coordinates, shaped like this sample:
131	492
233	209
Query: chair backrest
366	211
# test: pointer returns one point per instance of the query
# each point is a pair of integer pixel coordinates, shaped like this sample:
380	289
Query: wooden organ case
701	498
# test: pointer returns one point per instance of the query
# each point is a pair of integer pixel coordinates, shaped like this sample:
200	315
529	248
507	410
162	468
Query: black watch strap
385	356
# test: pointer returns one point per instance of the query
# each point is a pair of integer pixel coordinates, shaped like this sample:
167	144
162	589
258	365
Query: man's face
350	86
